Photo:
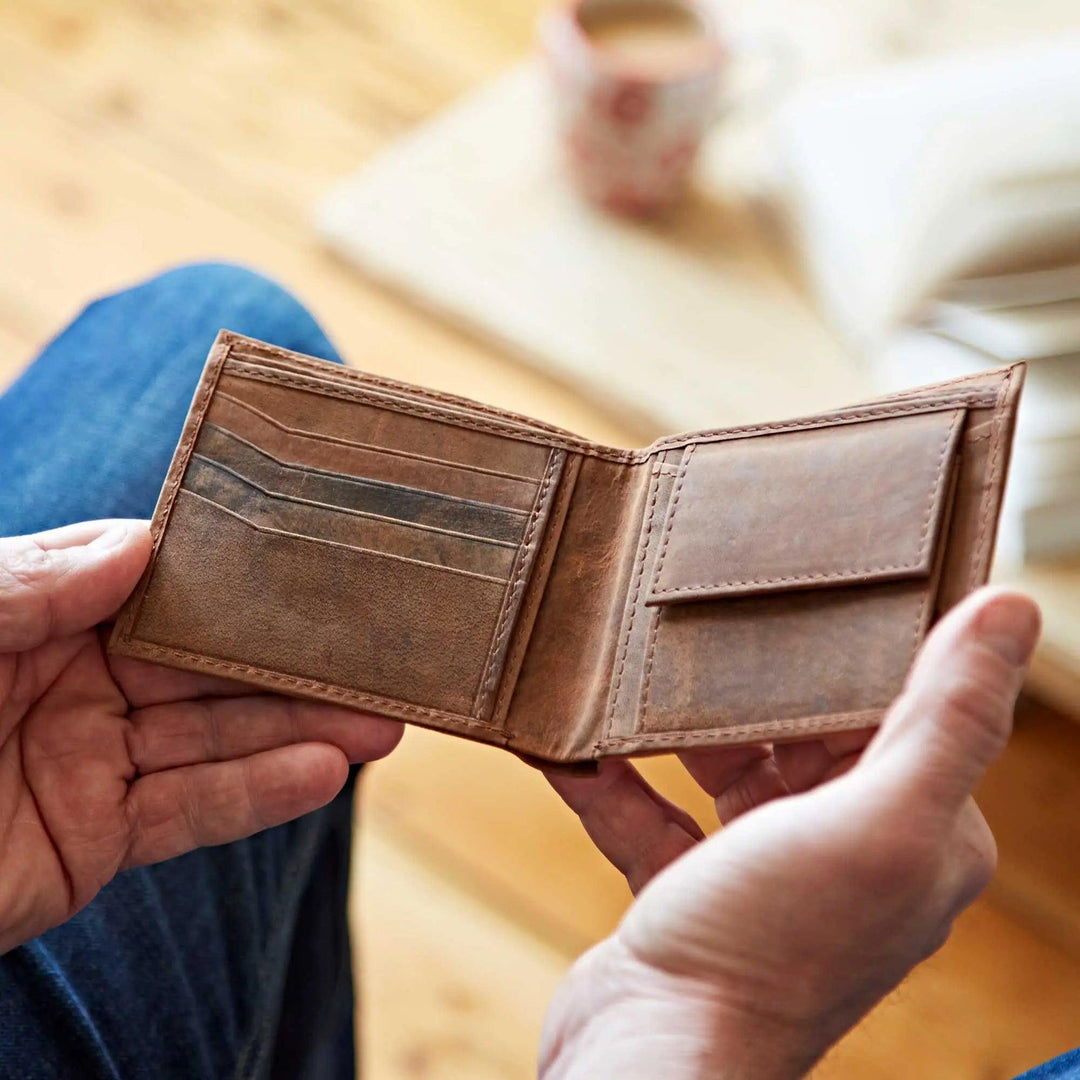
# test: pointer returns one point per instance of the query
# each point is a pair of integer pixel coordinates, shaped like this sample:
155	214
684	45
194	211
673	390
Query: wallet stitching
545	554
900	395
487	679
654	630
832	575
646	740
639	575
989	488
178	467
431	411
507	430
833	419
190	438
929	595
357	697
239	343
363	377
671	514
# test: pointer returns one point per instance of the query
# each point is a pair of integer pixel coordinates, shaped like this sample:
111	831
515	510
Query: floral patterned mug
636	86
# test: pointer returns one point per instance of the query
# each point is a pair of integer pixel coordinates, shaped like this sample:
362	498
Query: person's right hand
108	762
758	948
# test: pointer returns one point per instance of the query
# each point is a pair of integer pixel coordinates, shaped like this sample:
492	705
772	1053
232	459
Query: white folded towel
903	179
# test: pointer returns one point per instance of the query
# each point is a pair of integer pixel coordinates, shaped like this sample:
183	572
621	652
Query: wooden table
138	134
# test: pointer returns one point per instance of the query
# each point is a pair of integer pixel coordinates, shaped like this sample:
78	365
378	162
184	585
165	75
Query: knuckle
901	862
135	742
213	736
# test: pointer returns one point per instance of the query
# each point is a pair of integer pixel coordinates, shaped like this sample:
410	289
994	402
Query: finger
955	714
637	829
738	779
805	765
146	683
180	733
66	580
176	811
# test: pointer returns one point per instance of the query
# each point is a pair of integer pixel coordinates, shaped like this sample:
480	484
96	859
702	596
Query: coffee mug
637	85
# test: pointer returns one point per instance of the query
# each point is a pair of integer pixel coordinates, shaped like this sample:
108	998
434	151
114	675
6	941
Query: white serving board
683	324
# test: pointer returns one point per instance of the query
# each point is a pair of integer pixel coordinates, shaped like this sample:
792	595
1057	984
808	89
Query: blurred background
890	196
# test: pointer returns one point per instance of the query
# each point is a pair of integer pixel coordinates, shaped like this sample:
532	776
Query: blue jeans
230	961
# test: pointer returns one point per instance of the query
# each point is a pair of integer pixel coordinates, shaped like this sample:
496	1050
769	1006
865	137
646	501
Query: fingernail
1009	624
112	537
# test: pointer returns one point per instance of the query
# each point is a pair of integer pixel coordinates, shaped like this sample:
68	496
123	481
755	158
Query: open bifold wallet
333	535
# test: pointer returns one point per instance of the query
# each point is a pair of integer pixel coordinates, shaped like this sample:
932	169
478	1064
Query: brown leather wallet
339	536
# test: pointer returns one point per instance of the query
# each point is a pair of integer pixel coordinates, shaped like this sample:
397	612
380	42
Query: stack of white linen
936	206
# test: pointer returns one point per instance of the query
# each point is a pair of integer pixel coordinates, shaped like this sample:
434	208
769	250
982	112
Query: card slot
312	409
394	502
368	460
272	531
363	621
261	509
362	514
379	390
395	451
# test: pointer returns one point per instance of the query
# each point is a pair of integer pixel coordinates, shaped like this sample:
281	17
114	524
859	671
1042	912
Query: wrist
617	1016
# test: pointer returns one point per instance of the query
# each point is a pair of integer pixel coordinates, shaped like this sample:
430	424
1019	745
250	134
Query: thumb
66	580
955	714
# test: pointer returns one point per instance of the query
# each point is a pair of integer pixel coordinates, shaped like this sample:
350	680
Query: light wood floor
135	135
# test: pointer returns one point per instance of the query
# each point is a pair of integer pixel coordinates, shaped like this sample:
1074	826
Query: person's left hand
108	763
842	864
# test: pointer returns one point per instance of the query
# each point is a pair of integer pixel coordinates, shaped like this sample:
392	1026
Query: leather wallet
334	535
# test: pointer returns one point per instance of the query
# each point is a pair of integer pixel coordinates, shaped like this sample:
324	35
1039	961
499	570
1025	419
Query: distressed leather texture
343	537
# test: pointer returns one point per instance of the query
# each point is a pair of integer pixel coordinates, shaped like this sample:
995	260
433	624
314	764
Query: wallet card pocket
319	611
349	420
323	539
273	513
377	498
339	453
794	577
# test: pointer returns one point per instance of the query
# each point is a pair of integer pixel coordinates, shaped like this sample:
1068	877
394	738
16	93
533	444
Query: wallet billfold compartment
348	538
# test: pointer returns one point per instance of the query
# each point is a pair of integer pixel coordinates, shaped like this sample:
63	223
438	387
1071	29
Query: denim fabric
1066	1067
229	961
